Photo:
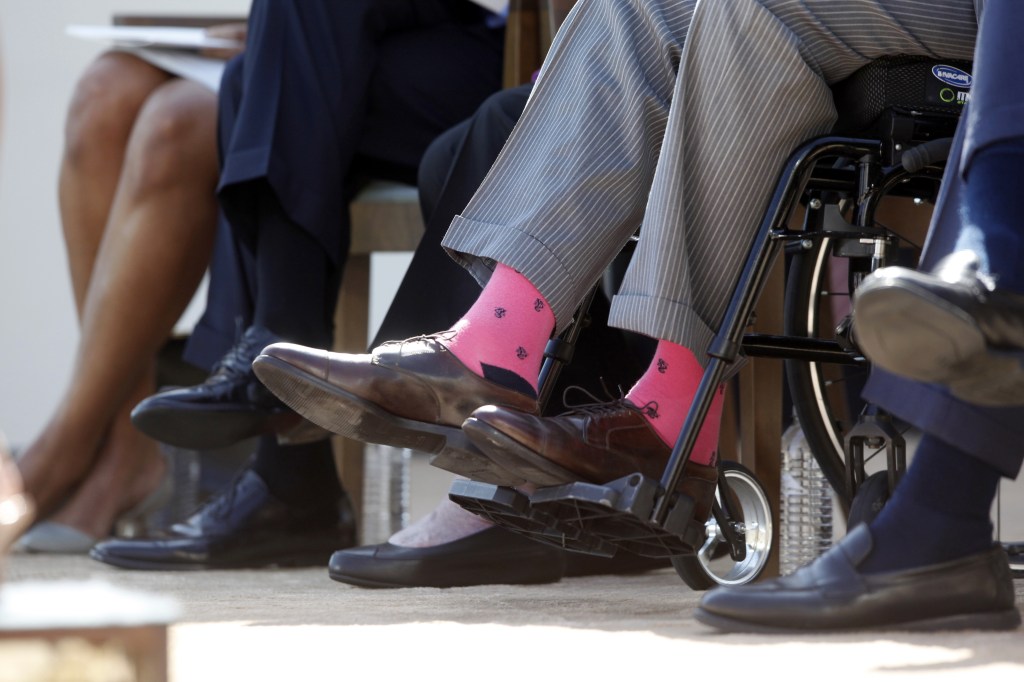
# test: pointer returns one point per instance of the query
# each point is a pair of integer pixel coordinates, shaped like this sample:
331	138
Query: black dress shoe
830	594
493	556
230	406
243	527
951	327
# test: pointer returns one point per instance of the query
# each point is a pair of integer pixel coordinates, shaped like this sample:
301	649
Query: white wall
38	331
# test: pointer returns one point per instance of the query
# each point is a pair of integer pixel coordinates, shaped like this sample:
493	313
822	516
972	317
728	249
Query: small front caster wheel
712	564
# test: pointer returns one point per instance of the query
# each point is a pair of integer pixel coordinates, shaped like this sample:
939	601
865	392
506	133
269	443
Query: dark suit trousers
327	94
994	435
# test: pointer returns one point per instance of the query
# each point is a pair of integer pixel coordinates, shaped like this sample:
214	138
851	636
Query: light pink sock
668	386
503	335
448	522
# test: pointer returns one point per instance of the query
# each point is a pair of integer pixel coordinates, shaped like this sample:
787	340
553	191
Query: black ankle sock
992	203
299	475
297	281
508	379
939	511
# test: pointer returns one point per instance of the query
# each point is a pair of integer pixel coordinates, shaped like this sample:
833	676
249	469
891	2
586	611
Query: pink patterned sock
502	336
668	386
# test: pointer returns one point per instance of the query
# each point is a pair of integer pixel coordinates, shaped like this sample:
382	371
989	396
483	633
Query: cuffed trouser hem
663	319
993	435
477	246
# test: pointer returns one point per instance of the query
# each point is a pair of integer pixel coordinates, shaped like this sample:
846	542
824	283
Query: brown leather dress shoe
406	394
594	443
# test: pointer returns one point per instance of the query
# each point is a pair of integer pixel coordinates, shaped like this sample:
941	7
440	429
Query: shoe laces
437	337
238	360
220	506
597	407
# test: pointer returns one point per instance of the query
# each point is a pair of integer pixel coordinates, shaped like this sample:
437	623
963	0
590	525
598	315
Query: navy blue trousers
327	95
995	114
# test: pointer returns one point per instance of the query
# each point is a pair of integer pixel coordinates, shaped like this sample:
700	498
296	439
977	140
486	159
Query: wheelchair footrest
511	509
589	518
619	513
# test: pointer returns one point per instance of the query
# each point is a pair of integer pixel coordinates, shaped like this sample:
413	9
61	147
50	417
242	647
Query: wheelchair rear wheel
826	396
823	401
712	565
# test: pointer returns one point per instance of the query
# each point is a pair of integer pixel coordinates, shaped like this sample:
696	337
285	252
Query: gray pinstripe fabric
728	88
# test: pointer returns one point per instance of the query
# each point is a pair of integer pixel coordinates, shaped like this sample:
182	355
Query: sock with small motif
503	335
665	392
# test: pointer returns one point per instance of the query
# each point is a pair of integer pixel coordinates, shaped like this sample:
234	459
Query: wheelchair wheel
825	409
826	396
711	565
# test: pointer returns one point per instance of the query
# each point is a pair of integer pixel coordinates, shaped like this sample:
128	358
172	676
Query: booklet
203	70
175	37
175	49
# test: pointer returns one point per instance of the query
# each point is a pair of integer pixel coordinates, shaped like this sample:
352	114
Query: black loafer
493	556
230	406
951	326
830	594
242	527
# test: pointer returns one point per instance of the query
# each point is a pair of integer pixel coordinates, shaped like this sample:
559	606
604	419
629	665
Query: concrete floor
299	625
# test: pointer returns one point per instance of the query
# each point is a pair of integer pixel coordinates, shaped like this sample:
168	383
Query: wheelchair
905	115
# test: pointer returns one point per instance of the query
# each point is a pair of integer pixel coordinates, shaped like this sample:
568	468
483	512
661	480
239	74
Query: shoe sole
908	331
997	620
490	557
530	574
210	429
354	417
506	453
302	556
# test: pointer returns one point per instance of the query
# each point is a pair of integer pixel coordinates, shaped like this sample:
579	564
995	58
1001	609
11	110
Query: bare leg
128	469
152	254
103	111
107	101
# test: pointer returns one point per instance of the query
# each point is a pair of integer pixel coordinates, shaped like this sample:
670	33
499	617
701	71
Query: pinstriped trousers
675	117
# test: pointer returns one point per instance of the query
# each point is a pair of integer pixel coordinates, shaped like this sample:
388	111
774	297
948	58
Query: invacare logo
950	75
